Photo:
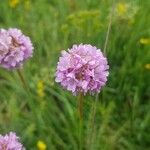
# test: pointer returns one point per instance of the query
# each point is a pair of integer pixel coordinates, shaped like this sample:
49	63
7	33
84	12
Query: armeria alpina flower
15	48
83	68
10	142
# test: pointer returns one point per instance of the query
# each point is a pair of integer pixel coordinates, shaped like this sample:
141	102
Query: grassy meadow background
46	116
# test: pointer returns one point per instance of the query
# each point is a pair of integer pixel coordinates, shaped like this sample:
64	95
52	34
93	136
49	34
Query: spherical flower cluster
83	68
15	48
10	142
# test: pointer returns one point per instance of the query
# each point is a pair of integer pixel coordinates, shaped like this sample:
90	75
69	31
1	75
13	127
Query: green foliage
120	117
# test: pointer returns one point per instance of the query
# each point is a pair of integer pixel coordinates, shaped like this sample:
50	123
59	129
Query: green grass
122	112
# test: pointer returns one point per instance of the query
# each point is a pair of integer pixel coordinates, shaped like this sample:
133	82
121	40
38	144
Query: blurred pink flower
10	142
14	48
82	69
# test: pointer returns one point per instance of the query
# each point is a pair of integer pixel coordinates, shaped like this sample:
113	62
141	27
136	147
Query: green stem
109	25
80	105
22	79
90	139
80	127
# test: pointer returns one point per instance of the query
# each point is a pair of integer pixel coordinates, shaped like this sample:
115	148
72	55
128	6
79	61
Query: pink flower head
15	48
82	69
10	142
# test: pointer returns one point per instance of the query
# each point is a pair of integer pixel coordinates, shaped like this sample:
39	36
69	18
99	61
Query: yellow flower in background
40	88
27	4
121	8
126	11
13	3
40	84
147	66
145	41
41	145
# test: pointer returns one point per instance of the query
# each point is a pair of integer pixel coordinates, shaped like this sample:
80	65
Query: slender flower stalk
22	79
109	26
80	105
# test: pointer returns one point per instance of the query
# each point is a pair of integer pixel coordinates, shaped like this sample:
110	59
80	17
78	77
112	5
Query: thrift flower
147	66
10	142
40	89
14	3
145	41
41	145
15	48
83	68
